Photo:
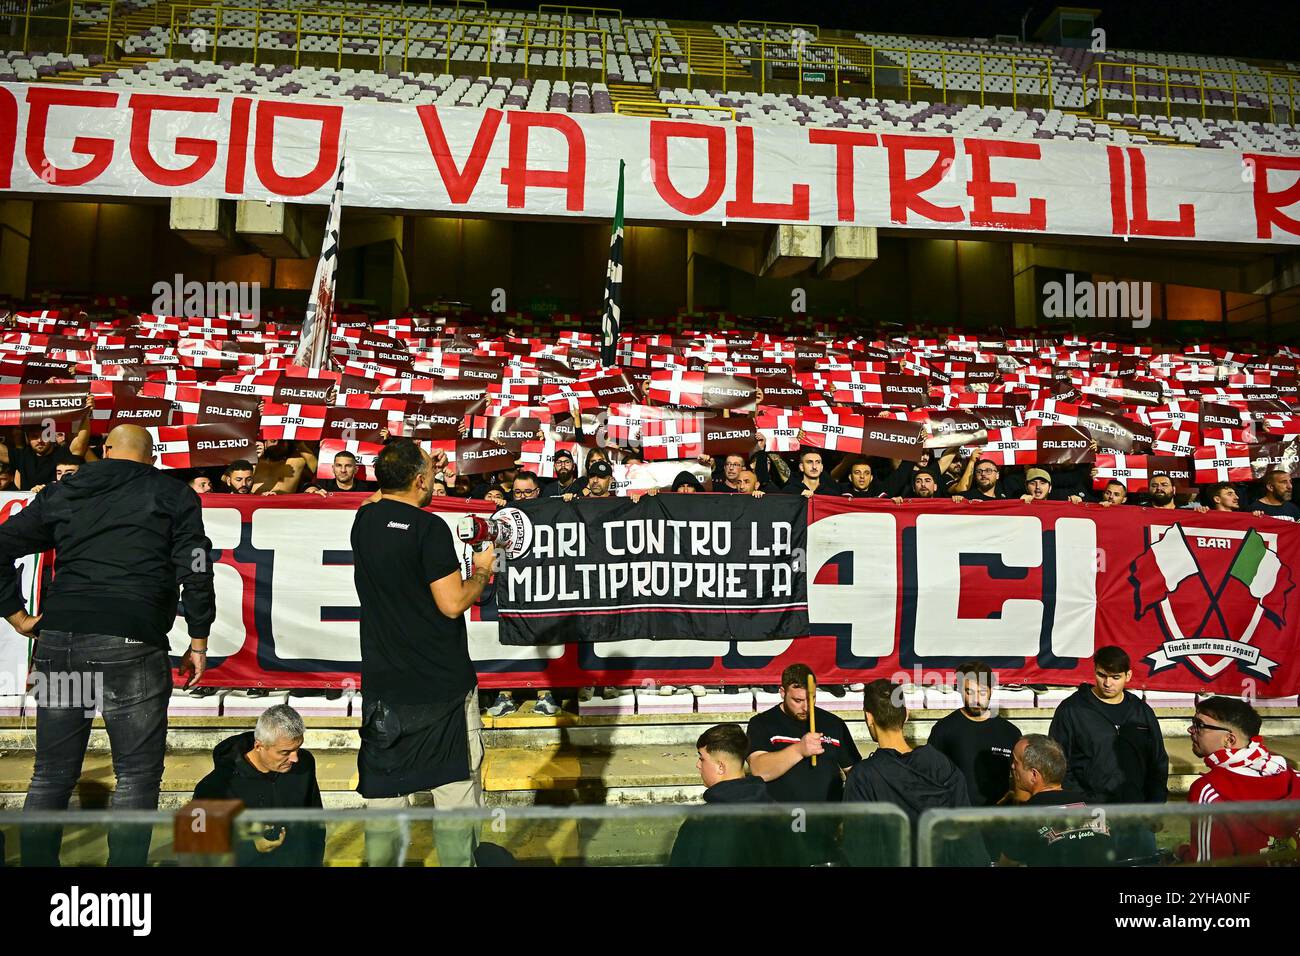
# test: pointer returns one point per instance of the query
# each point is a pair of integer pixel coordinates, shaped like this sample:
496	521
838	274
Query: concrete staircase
636	99
79	77
533	760
108	34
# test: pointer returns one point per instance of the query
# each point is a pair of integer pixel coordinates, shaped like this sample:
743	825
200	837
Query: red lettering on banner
100	151
744	206
237	150
330	119
8	136
202	151
983	189
1269	205
517	177
1118	186
1141	223
661	131
904	193
844	141
460	183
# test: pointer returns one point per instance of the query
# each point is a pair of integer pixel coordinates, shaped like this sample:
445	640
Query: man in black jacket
129	542
1113	746
914	779
267	768
733	841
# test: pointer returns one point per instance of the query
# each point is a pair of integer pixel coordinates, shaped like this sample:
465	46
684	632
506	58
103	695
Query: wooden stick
812	713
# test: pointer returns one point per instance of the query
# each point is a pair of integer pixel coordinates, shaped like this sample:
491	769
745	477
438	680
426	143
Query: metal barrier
497	39
42	21
811	30
592	13
837	64
1171	80
666	107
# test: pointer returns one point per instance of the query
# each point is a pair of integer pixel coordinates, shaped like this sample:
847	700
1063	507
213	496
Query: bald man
128	543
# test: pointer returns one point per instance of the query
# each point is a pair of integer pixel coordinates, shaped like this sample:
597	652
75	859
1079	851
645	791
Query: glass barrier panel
1121	835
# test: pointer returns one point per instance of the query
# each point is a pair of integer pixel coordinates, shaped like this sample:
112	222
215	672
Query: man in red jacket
1225	734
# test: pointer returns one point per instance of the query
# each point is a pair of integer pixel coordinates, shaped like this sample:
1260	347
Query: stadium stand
639	748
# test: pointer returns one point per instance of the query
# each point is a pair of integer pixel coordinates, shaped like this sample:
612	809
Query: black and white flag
314	341
611	318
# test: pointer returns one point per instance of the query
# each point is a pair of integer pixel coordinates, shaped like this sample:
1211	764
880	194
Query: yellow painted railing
565	10
1194	83
666	107
811	30
48	22
823	66
497	40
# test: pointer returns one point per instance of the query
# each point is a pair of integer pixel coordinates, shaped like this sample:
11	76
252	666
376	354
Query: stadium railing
1239	85
825	66
1170	826
496	39
868	834
764	834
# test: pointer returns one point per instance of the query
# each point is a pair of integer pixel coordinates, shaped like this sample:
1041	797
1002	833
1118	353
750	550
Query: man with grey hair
1038	766
267	769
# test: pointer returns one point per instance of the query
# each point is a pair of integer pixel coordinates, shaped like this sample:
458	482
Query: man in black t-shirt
986	482
420	725
1039	763
35	463
1276	501
978	741
780	748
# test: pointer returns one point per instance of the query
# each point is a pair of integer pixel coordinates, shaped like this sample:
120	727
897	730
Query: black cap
599	469
564	453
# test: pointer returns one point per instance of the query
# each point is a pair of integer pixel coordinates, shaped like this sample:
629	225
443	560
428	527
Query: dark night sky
1266	30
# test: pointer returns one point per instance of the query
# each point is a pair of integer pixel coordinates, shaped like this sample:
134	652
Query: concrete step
526	730
649	773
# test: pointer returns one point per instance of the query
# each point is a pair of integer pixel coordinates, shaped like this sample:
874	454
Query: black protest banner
511	432
728	391
1064	445
1116	434
729	435
479	456
1275	455
891	438
1180	470
301	390
355	424
215	406
910	390
612	389
950	428
670	567
782	391
146	412
60	402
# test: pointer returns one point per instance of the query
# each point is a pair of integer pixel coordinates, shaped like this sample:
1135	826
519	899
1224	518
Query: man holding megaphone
420	724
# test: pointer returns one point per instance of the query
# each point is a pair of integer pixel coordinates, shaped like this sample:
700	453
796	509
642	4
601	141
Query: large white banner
60	140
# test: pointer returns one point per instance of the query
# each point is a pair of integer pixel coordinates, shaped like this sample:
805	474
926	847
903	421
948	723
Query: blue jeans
130	683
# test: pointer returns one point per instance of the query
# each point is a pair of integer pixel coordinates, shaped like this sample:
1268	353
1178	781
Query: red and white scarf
1251	761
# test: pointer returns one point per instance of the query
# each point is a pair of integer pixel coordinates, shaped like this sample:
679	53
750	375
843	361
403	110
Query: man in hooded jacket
266	768
914	779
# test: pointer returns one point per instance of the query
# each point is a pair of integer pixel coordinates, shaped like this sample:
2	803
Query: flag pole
612	313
